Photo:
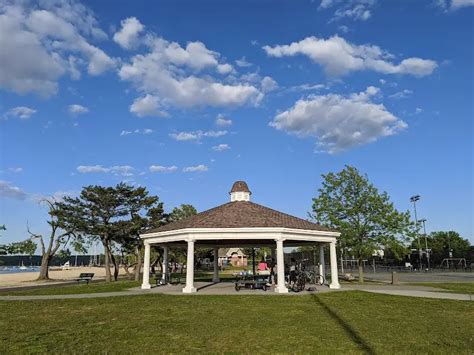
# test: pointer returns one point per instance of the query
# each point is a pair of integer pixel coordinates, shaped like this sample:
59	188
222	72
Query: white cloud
357	10
268	84
197	168
163	169
76	109
418	110
123	170
8	190
127	37
15	170
182	77
339	123
221	147
43	41
453	5
147	105
222	121
137	131
242	62
22	112
402	94
308	87
196	135
339	57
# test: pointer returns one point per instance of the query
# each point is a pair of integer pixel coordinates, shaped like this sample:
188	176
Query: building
235	224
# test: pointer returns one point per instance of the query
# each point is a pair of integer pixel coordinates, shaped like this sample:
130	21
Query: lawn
352	321
455	287
94	287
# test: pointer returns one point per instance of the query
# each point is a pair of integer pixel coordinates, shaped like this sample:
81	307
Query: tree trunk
115	264
44	270
361	271
108	276
138	266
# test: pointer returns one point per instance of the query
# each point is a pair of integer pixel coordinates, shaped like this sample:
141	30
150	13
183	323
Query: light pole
414	199
426	243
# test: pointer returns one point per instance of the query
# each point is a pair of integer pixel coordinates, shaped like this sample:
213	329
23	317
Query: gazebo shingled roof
241	214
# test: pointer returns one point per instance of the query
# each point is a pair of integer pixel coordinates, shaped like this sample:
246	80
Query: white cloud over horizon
338	122
197	168
8	190
339	57
163	169
196	135
21	112
76	109
122	170
221	147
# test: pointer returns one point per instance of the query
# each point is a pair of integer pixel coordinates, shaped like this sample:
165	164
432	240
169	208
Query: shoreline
57	276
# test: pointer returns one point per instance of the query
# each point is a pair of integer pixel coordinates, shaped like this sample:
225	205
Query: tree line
114	216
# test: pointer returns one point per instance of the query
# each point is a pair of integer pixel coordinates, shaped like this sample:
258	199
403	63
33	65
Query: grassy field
455	287
353	322
94	287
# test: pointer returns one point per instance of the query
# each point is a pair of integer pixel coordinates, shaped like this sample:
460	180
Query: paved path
228	289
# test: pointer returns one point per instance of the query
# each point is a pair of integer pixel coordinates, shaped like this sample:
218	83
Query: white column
322	270
146	268
215	277
189	288
334	271
165	266
280	288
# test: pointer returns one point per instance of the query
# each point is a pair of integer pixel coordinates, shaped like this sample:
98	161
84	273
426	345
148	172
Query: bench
85	276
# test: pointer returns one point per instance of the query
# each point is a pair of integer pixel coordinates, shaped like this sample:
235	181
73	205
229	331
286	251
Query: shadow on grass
350	331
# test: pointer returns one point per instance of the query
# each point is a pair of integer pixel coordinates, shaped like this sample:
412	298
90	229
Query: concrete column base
146	287
189	290
335	286
281	290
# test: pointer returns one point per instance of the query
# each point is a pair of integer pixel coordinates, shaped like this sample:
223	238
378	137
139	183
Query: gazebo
240	223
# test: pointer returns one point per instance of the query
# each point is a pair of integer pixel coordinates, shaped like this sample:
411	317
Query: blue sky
186	98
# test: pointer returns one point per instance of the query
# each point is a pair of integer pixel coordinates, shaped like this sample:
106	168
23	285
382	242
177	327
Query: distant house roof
227	252
241	214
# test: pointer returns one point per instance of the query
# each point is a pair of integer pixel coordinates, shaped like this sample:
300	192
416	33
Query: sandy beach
56	276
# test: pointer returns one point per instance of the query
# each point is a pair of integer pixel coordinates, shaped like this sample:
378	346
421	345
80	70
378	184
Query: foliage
182	212
441	243
366	218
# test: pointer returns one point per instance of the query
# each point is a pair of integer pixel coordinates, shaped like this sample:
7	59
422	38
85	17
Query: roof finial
240	192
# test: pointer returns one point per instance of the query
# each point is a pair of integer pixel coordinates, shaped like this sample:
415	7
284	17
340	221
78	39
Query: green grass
94	287
454	287
352	321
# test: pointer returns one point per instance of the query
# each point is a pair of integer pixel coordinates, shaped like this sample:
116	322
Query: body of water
17	269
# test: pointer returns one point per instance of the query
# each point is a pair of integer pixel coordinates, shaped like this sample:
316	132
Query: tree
441	243
62	230
367	219
182	212
95	213
144	212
